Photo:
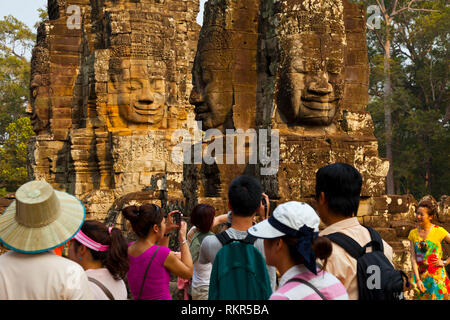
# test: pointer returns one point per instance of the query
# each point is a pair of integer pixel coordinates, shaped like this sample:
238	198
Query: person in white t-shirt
103	254
38	221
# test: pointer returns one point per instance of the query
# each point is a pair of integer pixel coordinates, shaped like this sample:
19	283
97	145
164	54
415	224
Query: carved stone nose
319	84
146	97
320	88
195	97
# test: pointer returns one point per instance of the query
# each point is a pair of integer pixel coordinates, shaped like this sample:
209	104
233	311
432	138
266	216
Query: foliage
420	105
43	15
13	154
16	39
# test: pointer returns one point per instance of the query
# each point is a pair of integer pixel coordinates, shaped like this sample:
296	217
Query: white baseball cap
286	218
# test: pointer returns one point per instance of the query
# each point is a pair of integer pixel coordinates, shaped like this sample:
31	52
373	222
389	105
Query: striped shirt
325	282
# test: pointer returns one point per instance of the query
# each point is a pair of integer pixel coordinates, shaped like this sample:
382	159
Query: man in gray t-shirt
245	202
211	245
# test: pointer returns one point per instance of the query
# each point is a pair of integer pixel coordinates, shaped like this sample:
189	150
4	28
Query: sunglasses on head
423	247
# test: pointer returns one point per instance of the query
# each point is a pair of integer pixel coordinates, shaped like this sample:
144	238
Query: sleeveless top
156	285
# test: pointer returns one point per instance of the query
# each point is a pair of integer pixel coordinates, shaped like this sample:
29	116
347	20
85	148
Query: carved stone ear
114	79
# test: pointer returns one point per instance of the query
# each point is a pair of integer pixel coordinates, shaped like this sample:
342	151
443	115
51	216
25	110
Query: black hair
245	194
321	246
341	183
115	259
202	216
143	218
429	205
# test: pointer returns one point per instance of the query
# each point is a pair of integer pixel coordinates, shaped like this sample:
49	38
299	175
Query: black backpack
377	278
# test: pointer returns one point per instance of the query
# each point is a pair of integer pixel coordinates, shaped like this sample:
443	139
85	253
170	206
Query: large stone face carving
139	96
212	94
224	95
224	73
126	71
311	41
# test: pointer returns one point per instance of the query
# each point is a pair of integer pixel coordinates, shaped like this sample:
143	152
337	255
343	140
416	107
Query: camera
265	206
177	217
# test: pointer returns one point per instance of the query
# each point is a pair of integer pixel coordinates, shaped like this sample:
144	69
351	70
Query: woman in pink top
151	261
291	244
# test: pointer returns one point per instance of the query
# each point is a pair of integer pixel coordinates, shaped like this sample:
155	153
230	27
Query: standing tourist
151	261
38	221
426	256
233	260
203	218
291	244
102	252
338	188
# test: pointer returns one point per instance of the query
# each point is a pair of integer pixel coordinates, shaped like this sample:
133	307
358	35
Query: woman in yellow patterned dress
426	256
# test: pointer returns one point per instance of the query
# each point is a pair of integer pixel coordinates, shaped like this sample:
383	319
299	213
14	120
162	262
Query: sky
26	10
23	10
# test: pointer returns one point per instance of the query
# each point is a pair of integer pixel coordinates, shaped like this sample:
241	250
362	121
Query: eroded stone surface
108	95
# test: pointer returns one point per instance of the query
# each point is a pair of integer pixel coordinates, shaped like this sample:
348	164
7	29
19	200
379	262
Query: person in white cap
39	220
292	245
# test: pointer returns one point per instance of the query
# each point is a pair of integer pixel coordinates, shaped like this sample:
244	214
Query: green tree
409	103
43	15
16	39
13	154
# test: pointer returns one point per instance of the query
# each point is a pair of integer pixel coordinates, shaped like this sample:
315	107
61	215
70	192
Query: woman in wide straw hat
38	221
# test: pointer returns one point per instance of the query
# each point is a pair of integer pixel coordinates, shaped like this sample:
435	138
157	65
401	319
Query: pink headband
88	242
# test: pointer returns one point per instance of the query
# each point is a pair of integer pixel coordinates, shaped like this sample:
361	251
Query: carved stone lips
318	103
149	109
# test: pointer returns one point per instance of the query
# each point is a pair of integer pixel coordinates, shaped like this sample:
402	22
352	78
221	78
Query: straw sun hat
40	218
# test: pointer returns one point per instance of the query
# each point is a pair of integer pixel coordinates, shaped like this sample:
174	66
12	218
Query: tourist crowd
248	253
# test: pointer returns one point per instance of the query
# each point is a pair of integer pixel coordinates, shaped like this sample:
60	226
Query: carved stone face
310	86
39	98
139	96
212	92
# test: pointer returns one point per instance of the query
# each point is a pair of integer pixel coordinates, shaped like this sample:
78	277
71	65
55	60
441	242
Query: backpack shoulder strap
224	238
250	239
375	236
347	243
146	270
309	285
101	286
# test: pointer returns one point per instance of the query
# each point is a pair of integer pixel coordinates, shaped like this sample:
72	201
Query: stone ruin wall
250	57
327	35
84	145
123	52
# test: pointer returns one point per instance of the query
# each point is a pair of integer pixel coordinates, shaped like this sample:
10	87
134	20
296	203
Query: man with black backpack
360	259
239	270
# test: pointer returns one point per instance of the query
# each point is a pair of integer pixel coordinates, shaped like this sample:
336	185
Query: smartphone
265	206
177	218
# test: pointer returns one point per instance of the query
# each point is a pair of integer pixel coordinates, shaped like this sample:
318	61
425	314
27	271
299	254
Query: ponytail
115	259
322	249
321	246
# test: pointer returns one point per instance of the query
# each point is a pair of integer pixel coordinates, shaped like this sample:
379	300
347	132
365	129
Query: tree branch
394	6
408	7
381	6
380	41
